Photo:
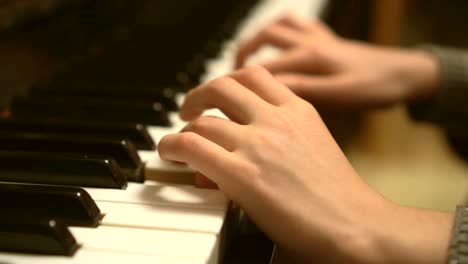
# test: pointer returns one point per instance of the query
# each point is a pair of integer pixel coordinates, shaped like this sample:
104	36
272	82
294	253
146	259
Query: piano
84	158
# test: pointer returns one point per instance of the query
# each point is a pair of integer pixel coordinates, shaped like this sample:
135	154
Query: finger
263	84
220	131
203	182
315	26
318	89
202	155
294	60
234	100
294	21
318	27
276	35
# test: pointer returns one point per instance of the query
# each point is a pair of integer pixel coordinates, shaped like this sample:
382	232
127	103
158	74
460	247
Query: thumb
321	89
203	182
295	60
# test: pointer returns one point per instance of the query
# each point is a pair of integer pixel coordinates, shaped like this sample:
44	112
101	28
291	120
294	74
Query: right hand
325	69
275	158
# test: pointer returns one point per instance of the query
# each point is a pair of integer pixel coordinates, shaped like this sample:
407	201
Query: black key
71	205
124	152
166	97
61	169
196	66
48	237
90	110
136	133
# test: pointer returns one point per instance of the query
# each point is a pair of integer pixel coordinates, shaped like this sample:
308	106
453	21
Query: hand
326	69
277	160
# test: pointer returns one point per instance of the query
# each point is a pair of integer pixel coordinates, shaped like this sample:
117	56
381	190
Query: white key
85	256
264	13
156	193
157	169
148	242
162	217
162	207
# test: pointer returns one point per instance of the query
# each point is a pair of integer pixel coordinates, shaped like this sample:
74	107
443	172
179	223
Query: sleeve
458	253
449	107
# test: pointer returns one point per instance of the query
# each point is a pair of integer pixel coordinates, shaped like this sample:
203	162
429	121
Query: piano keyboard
166	219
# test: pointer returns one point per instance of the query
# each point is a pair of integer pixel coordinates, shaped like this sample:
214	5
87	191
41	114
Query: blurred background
411	163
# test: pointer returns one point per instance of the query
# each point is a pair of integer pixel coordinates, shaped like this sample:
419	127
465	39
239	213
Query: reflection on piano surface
92	130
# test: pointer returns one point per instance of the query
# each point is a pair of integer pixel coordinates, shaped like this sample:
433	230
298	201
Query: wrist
411	235
398	234
364	243
421	70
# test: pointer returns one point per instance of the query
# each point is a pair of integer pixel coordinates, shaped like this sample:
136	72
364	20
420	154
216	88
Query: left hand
326	69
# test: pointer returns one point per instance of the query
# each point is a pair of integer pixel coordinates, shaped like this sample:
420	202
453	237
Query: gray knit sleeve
449	107
459	242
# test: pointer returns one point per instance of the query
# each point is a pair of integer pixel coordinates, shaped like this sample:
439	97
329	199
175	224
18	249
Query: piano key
157	193
149	242
164	96
195	68
166	217
97	256
263	13
124	152
40	237
137	133
90	110
157	206
159	170
61	169
70	205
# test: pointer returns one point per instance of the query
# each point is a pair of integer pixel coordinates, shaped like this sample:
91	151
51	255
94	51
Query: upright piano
80	177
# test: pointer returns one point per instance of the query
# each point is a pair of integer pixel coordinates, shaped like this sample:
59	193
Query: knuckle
289	17
186	141
311	51
289	79
219	84
255	71
255	176
281	120
269	30
175	146
260	138
191	93
200	124
306	108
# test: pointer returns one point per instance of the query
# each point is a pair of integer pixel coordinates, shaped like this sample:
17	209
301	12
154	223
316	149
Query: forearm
380	231
407	235
416	236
